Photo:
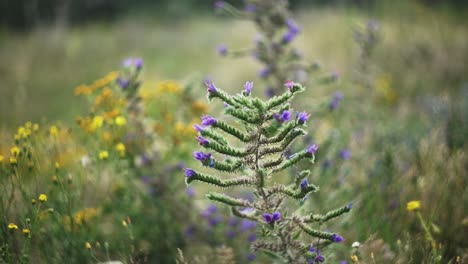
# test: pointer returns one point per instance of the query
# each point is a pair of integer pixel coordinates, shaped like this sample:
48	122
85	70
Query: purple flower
138	62
189	173
123	83
127	62
219	4
198	155
289	84
289	36
319	258
212	208
292	26
252	237
302	117
214	221
286	115
211	88
232	221
198	128
349	206
190	191
344	262
231	234
276	216
337	238
336	100
264	72
208	120
251	8
304	184
251	257
248	87
345	154
222	50
269	92
311	249
268	218
247	224
202	141
312	149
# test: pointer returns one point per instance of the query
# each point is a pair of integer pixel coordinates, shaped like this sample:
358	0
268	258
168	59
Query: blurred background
404	117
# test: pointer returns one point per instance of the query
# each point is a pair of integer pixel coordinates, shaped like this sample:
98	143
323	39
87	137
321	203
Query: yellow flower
57	165
120	121
199	107
13	160
103	155
35	127
15	151
33	201
354	258
97	122
12	226
121	149
26	231
88	245
53	131
1	158
413	206
42	198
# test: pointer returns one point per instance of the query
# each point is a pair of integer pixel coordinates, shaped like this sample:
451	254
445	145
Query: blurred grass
39	70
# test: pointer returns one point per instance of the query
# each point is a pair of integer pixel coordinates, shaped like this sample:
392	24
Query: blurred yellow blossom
13	160
15	151
26	231
53	131
1	158
413	205
103	155
120	121
199	107
97	122
12	226
42	198
354	258
35	127
169	86
88	245
120	147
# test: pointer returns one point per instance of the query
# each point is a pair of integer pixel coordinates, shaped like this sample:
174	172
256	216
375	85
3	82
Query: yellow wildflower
35	127
53	131
28	124
169	87
413	206
88	245
57	165
103	155
354	258
199	107
120	147
33	201
16	137
26	231
97	122
13	160
120	121
15	151
1	158
12	226
124	223
42	198
106	136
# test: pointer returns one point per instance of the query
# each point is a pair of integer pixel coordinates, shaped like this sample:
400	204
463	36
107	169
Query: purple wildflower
337	238
269	92
302	117
251	257
138	62
251	8
264	72
311	249
319	258
222	50
289	36
232	221
127	62
198	155
248	87
252	237
198	128
123	83
190	191
286	115
276	216
345	154
268	218
189	173
214	221
247	224
304	184
231	234
349	206
219	4
211	88
289	84
312	149
292	26
202	141
208	120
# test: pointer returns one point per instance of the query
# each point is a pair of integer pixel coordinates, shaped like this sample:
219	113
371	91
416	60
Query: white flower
356	244
85	161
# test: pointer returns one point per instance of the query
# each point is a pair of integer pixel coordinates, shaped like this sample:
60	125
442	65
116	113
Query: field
92	169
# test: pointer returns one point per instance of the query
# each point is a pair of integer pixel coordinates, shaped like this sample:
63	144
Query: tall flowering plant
250	153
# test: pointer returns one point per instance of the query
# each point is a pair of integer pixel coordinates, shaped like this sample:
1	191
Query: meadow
93	145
